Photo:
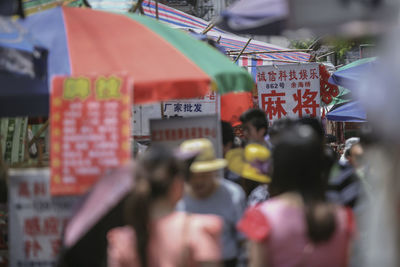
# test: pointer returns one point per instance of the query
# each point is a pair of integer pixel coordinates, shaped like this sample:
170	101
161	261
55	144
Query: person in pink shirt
157	235
297	227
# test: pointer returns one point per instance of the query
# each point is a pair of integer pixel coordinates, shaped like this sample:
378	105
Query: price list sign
90	130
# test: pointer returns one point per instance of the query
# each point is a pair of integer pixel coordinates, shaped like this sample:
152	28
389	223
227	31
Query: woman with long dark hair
157	235
297	227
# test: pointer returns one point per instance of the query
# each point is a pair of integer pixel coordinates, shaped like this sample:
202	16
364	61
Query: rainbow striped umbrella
165	63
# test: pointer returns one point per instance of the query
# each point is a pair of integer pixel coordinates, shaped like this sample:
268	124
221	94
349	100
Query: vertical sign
291	90
90	130
36	220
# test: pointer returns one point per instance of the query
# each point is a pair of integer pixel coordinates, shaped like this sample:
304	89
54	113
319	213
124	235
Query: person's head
315	124
297	162
255	125
278	127
228	136
203	170
158	179
354	155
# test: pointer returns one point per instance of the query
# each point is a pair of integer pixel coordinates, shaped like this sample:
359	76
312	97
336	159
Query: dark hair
227	133
315	124
298	166
154	173
278	127
255	117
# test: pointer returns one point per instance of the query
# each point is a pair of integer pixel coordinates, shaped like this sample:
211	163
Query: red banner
90	130
233	105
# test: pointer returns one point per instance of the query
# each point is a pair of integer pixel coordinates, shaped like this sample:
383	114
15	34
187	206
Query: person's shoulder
232	189
231	186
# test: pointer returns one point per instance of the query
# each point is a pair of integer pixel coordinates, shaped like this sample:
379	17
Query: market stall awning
229	41
22	72
349	76
349	112
165	63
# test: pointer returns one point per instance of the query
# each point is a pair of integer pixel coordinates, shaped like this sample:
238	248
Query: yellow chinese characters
108	88
76	88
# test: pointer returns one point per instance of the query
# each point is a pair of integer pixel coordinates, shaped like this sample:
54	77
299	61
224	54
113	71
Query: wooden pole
325	55
137	6
233	52
26	149
208	28
241	52
36	136
157	9
162	109
86	4
281	60
40	154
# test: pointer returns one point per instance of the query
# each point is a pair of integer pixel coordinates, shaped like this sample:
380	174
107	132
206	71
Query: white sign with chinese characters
205	105
36	219
290	90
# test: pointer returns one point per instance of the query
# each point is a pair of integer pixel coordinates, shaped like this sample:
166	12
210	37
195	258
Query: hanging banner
205	105
291	90
90	130
174	131
36	219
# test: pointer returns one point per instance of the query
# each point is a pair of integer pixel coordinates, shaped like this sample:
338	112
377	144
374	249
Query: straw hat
251	163
206	160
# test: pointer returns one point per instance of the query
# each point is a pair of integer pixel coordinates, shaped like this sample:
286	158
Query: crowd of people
280	198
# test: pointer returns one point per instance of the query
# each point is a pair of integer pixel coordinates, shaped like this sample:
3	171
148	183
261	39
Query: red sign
90	130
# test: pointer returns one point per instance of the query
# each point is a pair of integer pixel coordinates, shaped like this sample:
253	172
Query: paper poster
291	90
36	219
90	130
174	131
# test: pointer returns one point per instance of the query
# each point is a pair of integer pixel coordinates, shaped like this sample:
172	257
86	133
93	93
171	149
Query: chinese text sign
174	131
205	105
290	90
36	220
90	130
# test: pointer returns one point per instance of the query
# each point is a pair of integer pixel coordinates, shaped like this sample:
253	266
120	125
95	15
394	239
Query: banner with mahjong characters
291	90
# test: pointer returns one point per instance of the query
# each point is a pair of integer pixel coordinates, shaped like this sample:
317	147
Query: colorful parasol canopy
165	63
349	112
349	76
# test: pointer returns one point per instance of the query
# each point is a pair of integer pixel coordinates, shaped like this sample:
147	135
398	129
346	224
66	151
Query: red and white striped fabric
178	19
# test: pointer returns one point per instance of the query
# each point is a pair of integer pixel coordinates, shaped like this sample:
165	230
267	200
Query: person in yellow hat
206	193
253	165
